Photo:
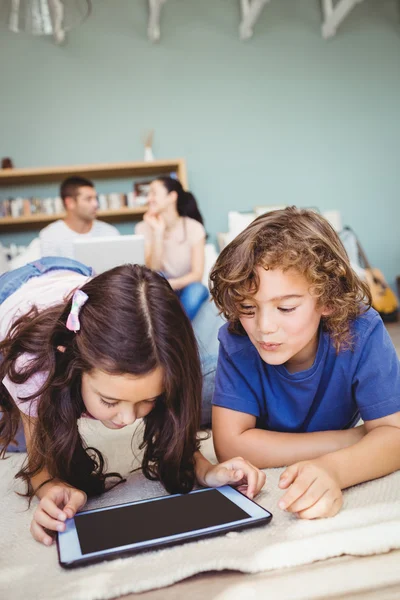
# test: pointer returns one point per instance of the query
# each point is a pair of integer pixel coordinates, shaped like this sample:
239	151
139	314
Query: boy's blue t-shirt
332	394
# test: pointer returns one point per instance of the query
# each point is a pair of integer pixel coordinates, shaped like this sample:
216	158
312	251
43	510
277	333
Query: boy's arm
376	455
315	486
235	434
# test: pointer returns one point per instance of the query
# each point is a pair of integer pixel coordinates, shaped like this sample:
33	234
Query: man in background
80	201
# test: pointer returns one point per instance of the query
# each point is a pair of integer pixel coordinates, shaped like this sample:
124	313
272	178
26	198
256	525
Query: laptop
103	253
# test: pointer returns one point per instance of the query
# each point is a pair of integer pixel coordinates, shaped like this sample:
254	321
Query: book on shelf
141	191
25	207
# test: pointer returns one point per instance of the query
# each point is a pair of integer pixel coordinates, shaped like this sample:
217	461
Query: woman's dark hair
132	323
186	205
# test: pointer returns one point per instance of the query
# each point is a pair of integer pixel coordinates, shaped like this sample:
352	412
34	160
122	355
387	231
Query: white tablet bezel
68	542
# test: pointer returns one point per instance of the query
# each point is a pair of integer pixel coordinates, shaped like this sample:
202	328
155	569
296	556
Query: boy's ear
326	311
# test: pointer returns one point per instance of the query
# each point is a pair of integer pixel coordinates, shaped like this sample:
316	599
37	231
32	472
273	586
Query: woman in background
175	240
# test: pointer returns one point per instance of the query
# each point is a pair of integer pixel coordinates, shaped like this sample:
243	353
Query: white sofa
32	252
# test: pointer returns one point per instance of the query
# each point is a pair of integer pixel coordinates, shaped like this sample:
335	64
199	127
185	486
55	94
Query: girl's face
118	400
282	319
159	199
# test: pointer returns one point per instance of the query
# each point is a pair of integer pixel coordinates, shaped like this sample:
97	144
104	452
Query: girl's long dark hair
186	204
131	324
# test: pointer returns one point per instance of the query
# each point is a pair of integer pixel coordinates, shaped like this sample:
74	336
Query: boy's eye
247	307
287	310
109	404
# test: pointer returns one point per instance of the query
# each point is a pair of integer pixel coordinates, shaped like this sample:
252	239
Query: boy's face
282	319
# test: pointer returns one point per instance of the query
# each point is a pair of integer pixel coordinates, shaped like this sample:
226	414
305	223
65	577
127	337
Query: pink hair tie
78	300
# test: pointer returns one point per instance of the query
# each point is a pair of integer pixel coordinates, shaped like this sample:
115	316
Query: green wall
285	117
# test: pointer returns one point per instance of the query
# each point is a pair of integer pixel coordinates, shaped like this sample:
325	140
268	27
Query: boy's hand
238	473
59	503
314	490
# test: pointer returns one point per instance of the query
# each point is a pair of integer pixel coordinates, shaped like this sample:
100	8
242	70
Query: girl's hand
156	222
314	490
59	502
238	473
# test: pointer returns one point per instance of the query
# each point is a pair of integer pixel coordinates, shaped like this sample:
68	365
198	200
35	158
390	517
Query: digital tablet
115	531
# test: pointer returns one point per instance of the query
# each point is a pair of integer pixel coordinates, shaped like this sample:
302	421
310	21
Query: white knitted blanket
369	523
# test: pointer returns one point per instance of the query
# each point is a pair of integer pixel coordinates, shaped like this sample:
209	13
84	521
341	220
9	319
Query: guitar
384	300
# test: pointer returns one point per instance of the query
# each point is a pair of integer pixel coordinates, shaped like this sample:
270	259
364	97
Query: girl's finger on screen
238	475
252	481
261	481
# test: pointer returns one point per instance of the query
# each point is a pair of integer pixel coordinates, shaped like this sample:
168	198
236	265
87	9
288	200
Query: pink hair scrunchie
78	300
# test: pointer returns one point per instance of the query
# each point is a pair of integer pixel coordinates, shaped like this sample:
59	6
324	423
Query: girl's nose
128	414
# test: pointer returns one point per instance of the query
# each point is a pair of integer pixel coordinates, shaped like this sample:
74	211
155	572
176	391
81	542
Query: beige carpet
369	523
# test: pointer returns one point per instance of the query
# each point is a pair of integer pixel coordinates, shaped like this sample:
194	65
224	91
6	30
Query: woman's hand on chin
155	221
238	473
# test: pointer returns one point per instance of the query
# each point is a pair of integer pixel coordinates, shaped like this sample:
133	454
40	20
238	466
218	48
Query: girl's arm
237	472
235	433
197	268
58	500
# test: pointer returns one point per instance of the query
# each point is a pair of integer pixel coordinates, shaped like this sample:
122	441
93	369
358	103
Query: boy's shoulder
366	322
233	342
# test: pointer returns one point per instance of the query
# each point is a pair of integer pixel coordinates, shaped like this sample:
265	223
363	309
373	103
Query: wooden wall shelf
96	171
38	175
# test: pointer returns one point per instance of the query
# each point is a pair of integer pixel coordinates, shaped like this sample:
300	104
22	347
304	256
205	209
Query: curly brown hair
132	323
297	239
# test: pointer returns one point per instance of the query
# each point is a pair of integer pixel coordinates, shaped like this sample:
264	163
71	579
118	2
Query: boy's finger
309	498
288	476
296	490
327	506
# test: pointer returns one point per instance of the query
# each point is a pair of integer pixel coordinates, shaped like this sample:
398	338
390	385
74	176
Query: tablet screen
156	519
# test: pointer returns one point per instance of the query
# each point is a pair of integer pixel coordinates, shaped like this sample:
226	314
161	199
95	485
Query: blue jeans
12	280
192	297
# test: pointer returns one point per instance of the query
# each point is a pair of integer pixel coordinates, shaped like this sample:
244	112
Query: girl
175	240
116	347
301	359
